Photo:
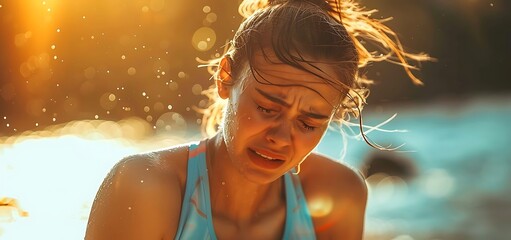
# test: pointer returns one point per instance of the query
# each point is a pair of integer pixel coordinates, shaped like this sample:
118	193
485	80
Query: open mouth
264	161
267	157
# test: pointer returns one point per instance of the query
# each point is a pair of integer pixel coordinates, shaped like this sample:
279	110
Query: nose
280	134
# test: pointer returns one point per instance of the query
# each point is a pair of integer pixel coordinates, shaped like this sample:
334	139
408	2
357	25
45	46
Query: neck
233	196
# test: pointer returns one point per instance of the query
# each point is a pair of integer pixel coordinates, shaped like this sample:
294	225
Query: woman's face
271	128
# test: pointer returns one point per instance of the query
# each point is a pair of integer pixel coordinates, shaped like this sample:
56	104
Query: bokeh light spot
320	206
211	17
89	72
196	89
202	45
132	71
171	123
106	103
158	107
438	183
199	39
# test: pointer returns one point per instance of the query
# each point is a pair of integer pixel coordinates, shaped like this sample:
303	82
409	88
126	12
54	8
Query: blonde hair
362	30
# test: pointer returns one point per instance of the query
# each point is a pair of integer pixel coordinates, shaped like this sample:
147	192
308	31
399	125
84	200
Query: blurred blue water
462	152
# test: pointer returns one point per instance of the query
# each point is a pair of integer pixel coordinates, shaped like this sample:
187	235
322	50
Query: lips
265	159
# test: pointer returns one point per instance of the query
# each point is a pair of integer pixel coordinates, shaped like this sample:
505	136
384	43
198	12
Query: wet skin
269	129
281	114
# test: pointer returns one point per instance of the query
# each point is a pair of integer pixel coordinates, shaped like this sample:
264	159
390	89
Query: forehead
270	73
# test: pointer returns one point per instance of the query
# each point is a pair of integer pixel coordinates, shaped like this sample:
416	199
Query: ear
224	80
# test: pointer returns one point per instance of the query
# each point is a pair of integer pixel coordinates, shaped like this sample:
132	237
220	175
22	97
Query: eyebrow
281	101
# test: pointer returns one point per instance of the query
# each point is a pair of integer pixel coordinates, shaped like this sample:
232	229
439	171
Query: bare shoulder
141	197
336	195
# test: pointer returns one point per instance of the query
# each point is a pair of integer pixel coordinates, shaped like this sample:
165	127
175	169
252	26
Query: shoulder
336	196
321	173
141	197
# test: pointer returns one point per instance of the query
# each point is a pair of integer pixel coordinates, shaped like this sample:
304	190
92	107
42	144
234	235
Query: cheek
306	142
239	124
230	124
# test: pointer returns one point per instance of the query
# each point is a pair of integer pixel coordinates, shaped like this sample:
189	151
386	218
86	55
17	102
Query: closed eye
308	127
264	110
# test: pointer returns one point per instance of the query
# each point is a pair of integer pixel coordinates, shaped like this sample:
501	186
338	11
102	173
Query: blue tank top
196	221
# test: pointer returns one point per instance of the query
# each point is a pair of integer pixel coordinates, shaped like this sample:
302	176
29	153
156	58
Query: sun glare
48	179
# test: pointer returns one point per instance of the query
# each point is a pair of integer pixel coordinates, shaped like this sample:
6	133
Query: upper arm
349	210
137	200
337	198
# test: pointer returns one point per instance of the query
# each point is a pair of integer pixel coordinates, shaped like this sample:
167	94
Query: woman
290	71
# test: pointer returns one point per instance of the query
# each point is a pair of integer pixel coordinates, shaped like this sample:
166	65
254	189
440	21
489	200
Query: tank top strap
195	221
298	219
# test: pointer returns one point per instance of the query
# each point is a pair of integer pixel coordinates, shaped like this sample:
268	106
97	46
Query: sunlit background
85	82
